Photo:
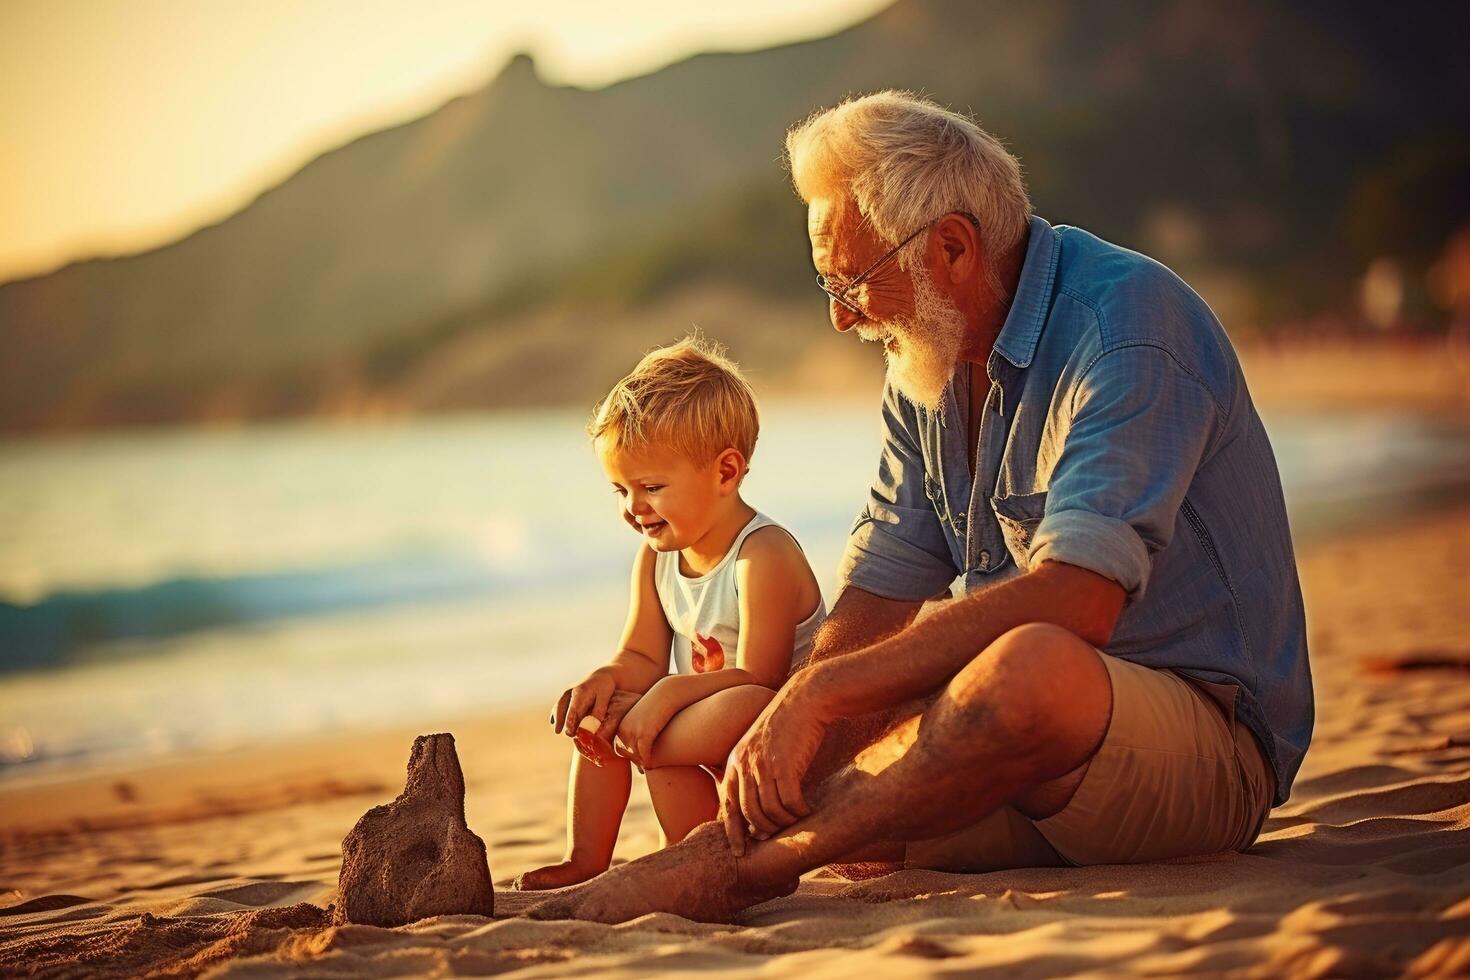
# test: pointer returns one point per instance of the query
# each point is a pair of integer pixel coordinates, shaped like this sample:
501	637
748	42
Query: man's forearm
920	659
858	620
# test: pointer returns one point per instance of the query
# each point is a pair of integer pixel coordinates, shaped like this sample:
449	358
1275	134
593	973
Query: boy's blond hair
688	396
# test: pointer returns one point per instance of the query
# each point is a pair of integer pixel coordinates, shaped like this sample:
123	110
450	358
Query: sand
220	864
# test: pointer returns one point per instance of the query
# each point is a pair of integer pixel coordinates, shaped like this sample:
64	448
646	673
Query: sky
125	124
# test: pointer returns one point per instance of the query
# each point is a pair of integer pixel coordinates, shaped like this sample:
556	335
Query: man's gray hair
905	161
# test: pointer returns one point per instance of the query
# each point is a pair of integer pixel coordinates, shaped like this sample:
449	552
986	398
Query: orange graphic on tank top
706	654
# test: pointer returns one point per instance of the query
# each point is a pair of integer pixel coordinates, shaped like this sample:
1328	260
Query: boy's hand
642	725
591	697
593	738
618	707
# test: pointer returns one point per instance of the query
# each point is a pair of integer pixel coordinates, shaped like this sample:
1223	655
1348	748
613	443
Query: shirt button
984	559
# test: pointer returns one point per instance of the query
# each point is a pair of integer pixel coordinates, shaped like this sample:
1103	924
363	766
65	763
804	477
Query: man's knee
1035	685
1032	661
1038	639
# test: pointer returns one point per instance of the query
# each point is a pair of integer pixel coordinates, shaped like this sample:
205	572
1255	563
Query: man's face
921	330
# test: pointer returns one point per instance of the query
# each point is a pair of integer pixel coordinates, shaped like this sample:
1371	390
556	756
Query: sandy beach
199	865
319	484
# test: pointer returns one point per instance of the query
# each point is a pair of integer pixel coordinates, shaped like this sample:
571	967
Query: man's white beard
922	350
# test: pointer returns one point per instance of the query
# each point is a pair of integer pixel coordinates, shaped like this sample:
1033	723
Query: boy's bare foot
558	875
698	878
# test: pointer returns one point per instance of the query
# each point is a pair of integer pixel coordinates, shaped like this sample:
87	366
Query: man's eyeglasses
839	290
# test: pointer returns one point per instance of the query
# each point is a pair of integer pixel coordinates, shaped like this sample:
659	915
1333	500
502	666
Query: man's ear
959	244
731	467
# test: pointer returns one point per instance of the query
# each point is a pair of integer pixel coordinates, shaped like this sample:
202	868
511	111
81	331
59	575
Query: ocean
174	590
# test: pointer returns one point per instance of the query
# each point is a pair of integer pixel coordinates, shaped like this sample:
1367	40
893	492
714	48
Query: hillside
523	241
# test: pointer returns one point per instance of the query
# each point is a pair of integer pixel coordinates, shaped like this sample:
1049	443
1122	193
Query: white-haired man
1067	433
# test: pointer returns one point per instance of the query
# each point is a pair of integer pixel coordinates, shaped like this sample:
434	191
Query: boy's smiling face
666	497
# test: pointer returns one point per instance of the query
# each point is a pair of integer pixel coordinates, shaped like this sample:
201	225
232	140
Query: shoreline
76	785
1422	372
208	783
1428	375
306	645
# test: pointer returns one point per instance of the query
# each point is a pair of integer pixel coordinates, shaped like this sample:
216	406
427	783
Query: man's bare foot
558	875
698	878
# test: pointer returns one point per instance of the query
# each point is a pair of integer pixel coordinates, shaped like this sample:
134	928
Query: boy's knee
747	697
717	720
748	700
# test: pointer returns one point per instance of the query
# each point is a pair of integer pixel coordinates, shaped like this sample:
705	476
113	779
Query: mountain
522	242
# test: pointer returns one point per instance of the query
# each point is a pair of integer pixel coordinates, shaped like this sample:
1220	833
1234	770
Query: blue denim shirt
1118	435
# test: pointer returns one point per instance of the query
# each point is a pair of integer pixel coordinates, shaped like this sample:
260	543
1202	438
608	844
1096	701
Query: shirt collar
1022	329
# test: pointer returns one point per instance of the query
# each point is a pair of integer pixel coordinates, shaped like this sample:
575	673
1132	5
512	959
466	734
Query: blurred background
304	305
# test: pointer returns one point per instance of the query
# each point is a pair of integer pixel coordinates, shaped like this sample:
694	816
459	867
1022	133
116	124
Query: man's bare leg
849	736
1017	725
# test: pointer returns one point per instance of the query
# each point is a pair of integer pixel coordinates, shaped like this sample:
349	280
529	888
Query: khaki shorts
1176	775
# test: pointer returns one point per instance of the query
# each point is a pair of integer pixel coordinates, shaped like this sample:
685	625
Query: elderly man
1067	433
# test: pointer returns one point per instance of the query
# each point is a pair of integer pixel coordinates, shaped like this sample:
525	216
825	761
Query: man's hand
643	723
762	787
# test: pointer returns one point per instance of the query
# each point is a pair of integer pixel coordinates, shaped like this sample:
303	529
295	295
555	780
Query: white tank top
704	611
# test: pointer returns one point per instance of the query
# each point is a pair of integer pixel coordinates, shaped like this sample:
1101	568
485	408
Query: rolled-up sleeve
897	548
1140	425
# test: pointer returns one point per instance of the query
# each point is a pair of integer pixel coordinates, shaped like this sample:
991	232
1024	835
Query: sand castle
416	857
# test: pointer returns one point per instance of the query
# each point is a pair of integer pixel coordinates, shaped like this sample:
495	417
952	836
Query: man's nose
637	505
843	319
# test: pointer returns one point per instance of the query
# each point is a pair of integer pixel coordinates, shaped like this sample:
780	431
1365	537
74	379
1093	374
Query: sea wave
60	629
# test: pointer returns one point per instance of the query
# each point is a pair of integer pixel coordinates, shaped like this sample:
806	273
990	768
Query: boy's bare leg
700	737
596	799
683	798
703	735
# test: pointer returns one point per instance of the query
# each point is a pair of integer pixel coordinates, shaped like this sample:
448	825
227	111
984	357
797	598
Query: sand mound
416	857
165	947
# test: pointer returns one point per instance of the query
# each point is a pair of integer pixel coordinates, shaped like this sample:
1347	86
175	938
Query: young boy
716	585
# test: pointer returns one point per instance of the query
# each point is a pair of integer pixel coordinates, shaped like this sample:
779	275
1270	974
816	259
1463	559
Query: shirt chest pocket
1019	515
